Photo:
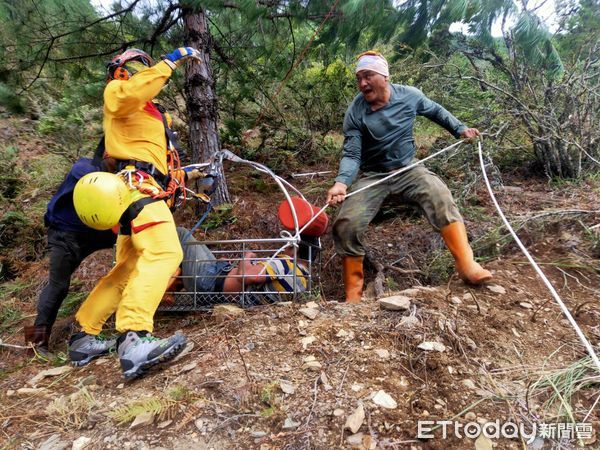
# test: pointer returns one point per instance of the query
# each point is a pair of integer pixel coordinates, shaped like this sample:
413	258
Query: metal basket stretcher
236	250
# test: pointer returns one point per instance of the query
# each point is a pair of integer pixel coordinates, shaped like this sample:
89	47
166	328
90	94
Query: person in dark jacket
69	243
378	139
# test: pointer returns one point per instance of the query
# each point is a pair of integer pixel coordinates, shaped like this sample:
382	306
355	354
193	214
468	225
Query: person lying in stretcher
202	272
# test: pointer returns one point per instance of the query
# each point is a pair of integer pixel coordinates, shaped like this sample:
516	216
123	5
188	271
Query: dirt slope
228	388
273	378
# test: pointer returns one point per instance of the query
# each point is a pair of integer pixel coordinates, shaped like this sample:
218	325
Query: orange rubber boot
353	277
455	236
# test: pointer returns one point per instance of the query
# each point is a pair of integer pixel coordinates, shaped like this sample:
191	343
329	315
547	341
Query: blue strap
195	227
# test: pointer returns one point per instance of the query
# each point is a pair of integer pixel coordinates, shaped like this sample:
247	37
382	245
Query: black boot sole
86	361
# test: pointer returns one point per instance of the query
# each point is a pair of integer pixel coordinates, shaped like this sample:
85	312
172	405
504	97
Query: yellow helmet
100	199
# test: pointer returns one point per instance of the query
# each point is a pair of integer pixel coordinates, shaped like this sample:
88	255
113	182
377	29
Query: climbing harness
144	176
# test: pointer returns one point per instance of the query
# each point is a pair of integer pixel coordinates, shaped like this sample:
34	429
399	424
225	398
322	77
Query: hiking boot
139	350
84	347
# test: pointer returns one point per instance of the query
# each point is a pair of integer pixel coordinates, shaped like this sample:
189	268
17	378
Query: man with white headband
378	139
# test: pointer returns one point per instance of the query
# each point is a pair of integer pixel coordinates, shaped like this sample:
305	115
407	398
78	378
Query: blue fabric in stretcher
201	271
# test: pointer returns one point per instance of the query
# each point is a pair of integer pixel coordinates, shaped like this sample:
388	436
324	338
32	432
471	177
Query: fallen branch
563	212
404	271
20	347
310	174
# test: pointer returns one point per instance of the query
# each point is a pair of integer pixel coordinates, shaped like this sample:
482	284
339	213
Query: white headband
375	63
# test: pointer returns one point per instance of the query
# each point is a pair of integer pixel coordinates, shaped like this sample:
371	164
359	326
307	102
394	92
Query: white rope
391	175
563	307
282	183
404	169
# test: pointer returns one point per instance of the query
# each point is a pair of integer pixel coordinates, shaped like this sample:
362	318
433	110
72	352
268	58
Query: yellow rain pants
134	287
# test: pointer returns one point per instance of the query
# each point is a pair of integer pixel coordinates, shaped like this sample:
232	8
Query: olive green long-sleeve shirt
382	140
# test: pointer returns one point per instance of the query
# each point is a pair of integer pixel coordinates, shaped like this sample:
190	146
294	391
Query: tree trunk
202	99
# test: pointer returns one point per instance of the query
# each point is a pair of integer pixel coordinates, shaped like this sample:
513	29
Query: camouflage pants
418	186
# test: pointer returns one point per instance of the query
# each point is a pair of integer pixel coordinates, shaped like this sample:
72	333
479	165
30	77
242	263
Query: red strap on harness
144	226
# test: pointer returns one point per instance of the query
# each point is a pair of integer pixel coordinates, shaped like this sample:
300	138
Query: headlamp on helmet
128	63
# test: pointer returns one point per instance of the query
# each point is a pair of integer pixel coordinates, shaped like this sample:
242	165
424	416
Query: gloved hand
192	174
179	55
207	185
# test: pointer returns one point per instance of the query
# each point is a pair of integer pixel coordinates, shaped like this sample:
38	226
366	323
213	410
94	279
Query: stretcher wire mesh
236	251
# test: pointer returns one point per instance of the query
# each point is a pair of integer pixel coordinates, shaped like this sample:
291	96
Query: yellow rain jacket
132	124
145	259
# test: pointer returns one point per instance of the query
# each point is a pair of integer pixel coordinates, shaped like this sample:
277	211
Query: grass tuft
72	411
560	386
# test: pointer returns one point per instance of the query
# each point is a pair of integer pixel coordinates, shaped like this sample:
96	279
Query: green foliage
59	359
592	238
73	299
391	284
71	122
534	41
361	24
269	398
321	94
268	393
439	267
180	393
11	223
221	215
561	387
40	44
10	100
10	311
22	205
47	172
262	184
268	412
231	132
308	110
10	173
581	20
481	15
